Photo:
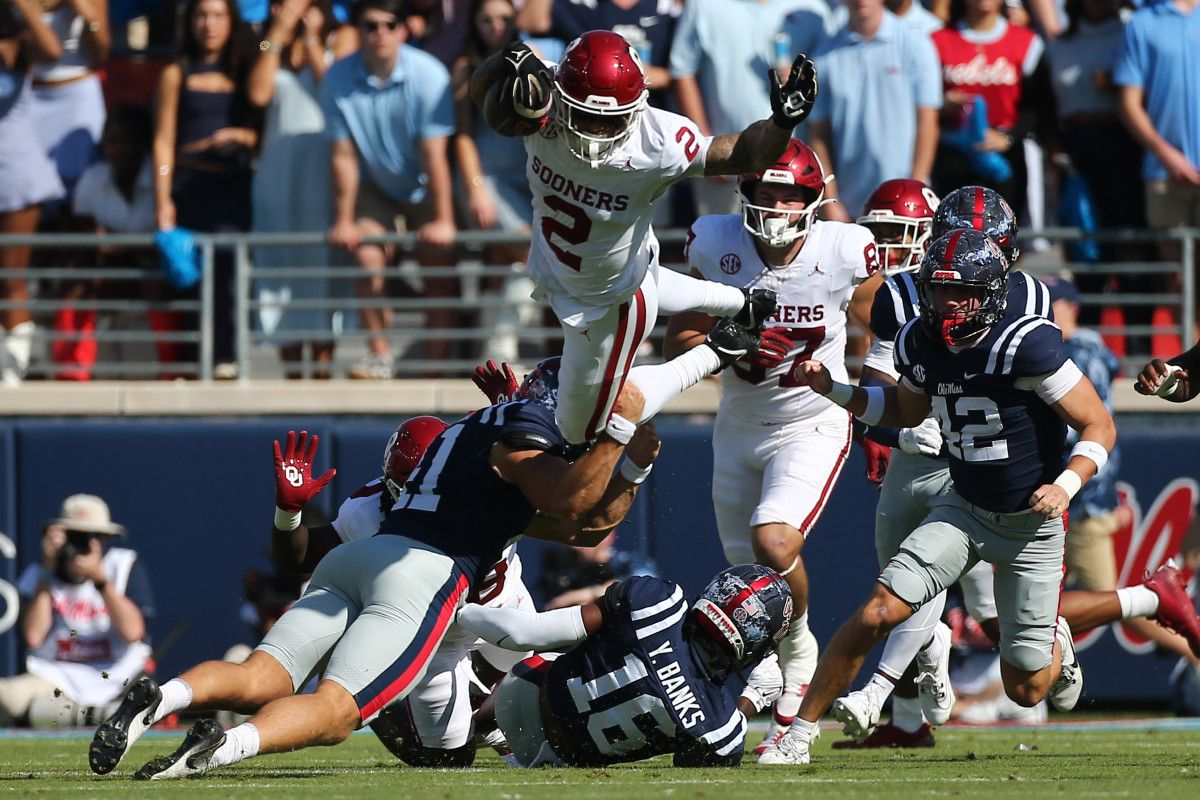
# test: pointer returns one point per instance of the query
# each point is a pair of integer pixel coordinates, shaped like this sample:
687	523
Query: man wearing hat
83	619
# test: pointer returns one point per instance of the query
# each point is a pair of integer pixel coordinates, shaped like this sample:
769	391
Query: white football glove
923	440
1166	386
765	684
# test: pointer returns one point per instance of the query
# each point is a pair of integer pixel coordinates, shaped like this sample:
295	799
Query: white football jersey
814	292
360	516
592	240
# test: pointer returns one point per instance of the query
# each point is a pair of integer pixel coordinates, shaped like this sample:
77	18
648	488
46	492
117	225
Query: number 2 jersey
814	292
634	690
992	398
592	238
454	501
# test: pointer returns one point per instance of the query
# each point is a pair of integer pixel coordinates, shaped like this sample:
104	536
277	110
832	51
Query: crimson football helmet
969	259
982	209
739	618
899	212
600	93
405	449
798	167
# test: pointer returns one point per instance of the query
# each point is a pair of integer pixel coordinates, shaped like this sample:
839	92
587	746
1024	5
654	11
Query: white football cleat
1064	694
775	732
792	748
858	712
933	679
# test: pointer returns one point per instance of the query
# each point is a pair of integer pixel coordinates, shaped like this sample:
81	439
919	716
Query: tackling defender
778	447
597	167
1002	387
644	675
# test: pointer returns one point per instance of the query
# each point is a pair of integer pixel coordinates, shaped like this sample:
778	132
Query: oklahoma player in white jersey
779	447
597	166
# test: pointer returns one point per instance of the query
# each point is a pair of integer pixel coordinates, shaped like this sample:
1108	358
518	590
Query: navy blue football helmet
739	618
541	384
964	258
978	208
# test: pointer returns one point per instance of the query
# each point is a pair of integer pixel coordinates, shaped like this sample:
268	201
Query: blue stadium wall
196	496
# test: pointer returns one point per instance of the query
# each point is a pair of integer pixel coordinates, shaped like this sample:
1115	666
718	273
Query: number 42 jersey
634	690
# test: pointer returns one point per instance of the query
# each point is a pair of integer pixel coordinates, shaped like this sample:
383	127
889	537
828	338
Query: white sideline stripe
659	607
663	624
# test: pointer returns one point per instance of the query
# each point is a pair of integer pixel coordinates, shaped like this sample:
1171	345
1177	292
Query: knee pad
398	733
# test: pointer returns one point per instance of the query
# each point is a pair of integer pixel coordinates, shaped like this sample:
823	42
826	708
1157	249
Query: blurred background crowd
211	116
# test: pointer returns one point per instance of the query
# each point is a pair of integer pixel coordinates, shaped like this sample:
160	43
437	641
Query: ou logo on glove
294	476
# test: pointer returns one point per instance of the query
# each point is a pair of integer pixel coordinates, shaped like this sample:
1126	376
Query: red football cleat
1176	612
890	736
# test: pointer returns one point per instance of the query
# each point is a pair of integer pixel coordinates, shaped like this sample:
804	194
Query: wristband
633	473
840	393
1093	451
286	520
1070	482
620	429
875	405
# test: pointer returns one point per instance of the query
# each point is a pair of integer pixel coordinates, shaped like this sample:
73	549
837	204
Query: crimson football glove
294	483
498	383
792	102
774	344
878	457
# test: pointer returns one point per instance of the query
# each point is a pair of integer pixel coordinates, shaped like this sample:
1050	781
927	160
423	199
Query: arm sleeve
889	437
1053	386
926	72
439	104
685	44
521	631
1128	67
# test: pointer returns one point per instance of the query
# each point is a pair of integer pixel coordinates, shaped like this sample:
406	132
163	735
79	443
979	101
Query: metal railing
495	293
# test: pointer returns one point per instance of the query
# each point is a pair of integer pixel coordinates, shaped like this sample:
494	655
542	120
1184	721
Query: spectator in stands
915	15
1090	557
114	195
986	58
289	193
1090	132
205	135
389	113
68	107
83	619
648	26
719	59
444	26
27	177
492	168
876	115
1158	78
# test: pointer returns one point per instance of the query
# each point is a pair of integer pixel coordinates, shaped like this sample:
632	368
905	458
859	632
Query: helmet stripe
951	246
756	585
977	219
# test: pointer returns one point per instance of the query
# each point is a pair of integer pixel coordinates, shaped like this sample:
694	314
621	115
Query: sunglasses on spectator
370	25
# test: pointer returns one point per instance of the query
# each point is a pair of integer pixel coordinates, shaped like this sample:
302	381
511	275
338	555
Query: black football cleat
124	726
730	341
193	757
760	305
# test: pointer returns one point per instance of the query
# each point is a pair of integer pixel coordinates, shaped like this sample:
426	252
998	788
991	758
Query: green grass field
1148	760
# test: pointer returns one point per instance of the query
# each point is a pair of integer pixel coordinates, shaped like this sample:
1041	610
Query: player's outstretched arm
891	406
294	547
1083	410
763	142
522	631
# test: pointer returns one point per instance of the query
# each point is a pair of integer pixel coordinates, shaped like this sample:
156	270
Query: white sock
906	714
881	686
240	743
910	636
176	695
662	382
807	730
679	292
1137	601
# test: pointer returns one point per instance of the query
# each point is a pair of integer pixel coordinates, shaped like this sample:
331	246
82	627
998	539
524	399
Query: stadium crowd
216	116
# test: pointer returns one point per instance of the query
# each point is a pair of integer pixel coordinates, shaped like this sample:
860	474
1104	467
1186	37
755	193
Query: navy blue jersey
895	302
634	690
1003	440
456	502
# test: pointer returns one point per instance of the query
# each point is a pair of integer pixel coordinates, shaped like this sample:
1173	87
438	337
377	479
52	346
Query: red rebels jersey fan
990	64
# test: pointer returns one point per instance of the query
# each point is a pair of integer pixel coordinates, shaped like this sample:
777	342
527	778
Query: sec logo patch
919	373
731	263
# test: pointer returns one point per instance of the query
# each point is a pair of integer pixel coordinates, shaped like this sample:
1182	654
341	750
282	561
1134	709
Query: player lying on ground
1002	387
643	674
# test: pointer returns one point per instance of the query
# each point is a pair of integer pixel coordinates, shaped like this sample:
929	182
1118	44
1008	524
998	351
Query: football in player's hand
506	115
